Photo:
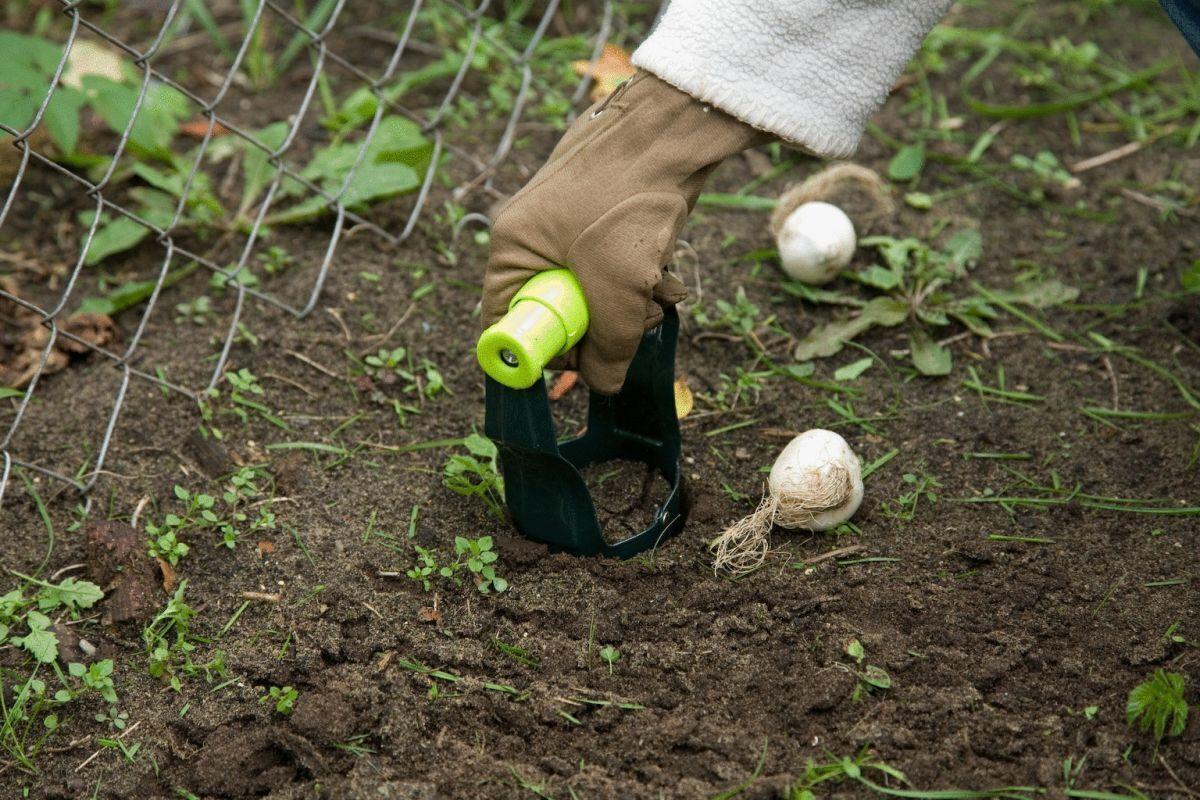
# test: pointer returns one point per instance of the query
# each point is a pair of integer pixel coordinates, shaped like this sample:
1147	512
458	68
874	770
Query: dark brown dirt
627	496
995	648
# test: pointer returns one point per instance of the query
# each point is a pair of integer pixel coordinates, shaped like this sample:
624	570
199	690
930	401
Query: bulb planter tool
546	318
543	485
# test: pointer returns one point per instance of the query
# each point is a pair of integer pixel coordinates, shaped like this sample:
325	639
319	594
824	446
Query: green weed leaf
875	676
39	642
853	369
1191	277
29	64
156	121
929	357
828	339
965	247
115	235
1158	705
62	118
70	593
907	163
879	277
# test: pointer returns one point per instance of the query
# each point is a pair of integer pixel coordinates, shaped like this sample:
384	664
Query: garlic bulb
816	242
815	484
816	481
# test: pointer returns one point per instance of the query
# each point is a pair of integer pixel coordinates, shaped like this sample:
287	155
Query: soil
1011	638
627	496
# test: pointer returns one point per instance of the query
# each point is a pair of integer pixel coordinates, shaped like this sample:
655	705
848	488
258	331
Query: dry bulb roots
858	191
743	546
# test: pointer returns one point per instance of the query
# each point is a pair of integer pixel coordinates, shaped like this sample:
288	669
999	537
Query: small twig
380	339
270	500
137	512
388	37
65	570
225	189
1112	378
1175	777
1115	154
841	551
290	382
333	312
199	38
263	596
1145	200
724	337
313	364
353	230
1113	590
49	751
1158	205
958	337
372	609
757	342
96	754
1068	347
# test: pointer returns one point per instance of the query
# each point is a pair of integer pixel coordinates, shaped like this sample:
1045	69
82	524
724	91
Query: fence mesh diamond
340	113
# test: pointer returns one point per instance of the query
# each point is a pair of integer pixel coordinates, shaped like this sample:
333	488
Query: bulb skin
816	242
816	481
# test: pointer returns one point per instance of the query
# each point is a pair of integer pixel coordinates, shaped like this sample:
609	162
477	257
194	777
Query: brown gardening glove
609	204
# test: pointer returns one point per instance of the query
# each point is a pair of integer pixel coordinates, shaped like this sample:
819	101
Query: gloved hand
609	204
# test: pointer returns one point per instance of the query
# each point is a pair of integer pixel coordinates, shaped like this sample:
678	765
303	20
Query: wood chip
564	383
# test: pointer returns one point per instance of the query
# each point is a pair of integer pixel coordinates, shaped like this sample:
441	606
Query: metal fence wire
217	117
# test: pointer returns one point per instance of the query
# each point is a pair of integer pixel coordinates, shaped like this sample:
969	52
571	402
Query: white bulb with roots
816	242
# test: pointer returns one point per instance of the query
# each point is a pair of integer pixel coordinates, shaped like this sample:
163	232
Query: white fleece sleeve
809	71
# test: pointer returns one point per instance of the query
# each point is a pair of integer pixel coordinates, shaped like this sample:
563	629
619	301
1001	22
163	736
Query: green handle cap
546	318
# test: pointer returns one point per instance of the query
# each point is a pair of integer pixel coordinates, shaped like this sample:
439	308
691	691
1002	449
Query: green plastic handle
546	318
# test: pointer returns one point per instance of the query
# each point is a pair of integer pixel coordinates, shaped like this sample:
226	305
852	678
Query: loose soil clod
117	562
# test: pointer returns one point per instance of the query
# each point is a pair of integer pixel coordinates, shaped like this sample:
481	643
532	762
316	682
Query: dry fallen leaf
429	614
18	368
23	339
11	312
89	329
563	384
266	546
608	72
198	129
168	575
683	398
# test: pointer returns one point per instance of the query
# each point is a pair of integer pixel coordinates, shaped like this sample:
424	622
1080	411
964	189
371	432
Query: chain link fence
332	50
